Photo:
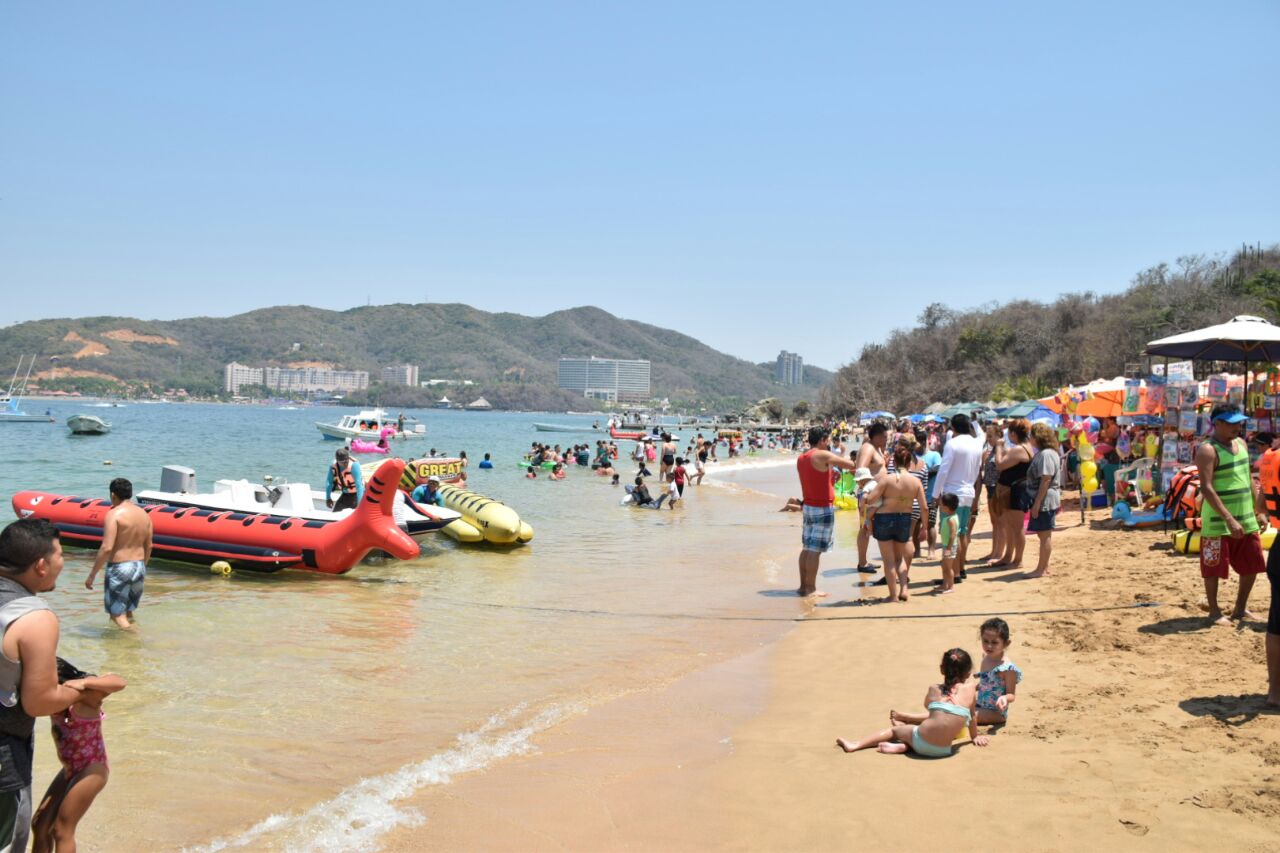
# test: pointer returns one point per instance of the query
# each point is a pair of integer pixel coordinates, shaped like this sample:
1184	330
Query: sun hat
1228	414
862	474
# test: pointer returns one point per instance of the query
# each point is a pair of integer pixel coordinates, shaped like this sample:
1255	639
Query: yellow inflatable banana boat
487	519
483	519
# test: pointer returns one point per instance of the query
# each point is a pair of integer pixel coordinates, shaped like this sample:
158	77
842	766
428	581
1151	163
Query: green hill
511	358
1025	349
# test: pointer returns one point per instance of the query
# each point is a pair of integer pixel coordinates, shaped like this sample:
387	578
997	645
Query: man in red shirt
816	467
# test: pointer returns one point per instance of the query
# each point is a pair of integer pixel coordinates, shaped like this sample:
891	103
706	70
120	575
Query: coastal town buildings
293	379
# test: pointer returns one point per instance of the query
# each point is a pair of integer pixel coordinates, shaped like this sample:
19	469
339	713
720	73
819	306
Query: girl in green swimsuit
950	706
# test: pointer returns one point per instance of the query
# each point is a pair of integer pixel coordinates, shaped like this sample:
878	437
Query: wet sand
1135	728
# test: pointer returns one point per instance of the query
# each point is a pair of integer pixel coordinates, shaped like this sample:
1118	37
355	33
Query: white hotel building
612	379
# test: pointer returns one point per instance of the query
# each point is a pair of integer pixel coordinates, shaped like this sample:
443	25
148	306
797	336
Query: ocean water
298	711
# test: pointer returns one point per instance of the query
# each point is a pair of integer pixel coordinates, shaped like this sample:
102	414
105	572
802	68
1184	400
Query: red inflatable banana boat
631	436
257	542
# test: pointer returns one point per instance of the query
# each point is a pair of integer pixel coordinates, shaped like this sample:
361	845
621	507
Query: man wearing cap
1229	535
428	492
344	477
817	484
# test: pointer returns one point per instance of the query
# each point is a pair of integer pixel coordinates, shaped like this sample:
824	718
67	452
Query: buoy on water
221	567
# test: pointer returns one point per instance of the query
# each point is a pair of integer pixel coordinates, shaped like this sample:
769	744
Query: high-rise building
294	379
789	369
401	374
235	375
613	379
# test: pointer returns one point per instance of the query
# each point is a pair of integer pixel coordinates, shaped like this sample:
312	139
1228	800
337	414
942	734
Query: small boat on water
565	427
88	425
10	413
284	500
258	541
368	425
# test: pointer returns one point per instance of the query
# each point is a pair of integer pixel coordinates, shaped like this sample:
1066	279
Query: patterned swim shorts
122	590
819	528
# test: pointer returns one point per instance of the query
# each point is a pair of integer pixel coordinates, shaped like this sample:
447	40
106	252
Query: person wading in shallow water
817	484
870	456
125	551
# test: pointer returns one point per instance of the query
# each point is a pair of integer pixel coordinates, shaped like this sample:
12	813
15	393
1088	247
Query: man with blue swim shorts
816	467
125	552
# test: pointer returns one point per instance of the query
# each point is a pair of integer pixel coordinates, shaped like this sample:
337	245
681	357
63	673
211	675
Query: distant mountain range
500	353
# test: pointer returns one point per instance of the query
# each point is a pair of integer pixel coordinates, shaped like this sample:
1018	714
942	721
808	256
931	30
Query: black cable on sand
577	611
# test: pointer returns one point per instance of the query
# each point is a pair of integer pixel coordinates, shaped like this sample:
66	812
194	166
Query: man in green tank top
1229	537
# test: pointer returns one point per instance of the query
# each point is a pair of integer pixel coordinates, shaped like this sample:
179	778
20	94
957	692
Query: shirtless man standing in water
871	457
125	551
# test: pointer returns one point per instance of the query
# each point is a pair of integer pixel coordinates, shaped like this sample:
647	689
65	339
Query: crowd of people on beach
919	488
920	485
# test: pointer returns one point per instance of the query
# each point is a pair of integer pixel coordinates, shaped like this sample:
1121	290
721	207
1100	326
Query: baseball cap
433	479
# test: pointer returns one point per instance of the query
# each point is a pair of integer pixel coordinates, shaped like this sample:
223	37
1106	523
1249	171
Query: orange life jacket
1269	481
344	479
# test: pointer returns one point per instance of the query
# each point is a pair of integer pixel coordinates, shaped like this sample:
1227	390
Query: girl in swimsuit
77	733
949	709
998	678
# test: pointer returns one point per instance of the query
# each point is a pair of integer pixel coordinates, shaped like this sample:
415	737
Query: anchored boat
10	413
287	500
256	541
88	425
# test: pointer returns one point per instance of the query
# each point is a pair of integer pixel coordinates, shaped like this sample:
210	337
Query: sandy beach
1136	727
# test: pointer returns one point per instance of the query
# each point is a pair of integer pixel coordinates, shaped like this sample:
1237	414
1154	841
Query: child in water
949	536
998	677
77	734
950	708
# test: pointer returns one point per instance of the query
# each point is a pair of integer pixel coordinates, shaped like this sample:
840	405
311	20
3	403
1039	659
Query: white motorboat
286	500
88	425
368	425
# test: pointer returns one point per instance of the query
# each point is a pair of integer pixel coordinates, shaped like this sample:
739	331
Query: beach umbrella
1020	410
1242	338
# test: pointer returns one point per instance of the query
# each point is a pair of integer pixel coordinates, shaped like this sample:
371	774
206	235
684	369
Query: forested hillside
1027	349
511	358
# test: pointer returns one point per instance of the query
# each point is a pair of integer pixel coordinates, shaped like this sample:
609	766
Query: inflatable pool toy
359	445
1188	541
545	466
256	541
847	486
614	432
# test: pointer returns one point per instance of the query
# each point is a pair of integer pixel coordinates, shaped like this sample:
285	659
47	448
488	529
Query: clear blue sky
759	175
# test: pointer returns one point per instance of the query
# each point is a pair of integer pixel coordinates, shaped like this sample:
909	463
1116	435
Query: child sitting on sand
949	535
950	706
998	677
77	734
